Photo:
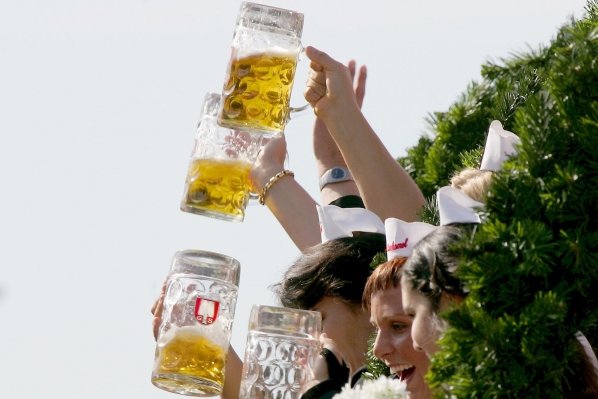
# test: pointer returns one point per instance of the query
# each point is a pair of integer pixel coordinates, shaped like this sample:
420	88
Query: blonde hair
473	182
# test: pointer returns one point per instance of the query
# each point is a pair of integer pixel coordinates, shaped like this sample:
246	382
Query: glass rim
246	4
223	267
294	19
310	320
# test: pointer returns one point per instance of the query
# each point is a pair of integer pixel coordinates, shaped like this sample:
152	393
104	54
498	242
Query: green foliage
532	266
378	259
429	213
459	134
471	158
462	127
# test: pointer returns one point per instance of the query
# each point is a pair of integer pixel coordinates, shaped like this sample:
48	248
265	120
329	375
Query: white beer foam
212	332
274	51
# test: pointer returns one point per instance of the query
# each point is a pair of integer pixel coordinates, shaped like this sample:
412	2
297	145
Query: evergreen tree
463	128
532	266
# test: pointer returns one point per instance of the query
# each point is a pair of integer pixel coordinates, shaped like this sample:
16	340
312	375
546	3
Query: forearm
386	188
291	205
327	157
296	212
232	375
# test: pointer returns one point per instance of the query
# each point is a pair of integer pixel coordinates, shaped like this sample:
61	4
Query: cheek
422	362
425	334
399	342
330	328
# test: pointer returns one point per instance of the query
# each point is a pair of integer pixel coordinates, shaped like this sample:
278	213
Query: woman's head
431	267
393	343
338	268
330	278
429	284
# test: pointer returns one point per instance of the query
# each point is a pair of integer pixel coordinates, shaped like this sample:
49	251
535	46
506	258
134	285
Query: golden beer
257	91
217	187
188	353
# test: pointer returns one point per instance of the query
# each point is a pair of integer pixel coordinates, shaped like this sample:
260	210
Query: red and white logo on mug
206	310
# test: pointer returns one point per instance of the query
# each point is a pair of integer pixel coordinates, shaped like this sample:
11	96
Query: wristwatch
335	175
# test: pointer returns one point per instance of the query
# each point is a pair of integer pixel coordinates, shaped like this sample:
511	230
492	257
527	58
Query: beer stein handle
253	197
299	110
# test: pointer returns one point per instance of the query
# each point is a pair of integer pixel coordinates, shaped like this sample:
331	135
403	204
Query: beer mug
197	319
282	345
217	182
257	88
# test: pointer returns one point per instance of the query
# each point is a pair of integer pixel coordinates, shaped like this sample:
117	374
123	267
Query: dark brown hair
432	265
337	268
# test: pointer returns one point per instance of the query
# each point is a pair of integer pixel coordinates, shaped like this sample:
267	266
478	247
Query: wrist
271	182
334	175
260	175
336	111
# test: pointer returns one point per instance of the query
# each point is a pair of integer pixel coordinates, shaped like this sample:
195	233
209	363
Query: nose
381	345
417	347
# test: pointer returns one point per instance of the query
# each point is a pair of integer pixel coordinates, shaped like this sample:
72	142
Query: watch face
337	173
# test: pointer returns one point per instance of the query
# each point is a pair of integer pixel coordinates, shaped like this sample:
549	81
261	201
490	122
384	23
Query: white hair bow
336	222
402	236
455	206
500	144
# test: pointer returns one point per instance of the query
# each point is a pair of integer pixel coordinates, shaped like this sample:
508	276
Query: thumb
322	59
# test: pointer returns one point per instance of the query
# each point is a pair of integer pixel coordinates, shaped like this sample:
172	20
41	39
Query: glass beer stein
282	345
257	88
217	182
197	319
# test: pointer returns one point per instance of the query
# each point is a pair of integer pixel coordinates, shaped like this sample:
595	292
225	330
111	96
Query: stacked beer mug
201	288
254	105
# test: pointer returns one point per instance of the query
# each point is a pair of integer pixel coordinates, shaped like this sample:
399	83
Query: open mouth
404	375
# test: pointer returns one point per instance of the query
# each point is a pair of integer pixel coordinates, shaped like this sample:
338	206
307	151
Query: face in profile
425	328
393	342
347	326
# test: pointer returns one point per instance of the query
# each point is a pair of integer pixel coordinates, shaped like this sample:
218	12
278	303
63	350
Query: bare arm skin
292	206
386	188
327	153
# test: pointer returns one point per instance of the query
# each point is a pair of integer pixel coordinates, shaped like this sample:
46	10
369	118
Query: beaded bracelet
262	197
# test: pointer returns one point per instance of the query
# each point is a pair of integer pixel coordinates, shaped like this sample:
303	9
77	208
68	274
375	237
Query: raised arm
292	206
386	188
327	154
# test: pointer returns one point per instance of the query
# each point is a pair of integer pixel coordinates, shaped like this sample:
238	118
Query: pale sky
98	106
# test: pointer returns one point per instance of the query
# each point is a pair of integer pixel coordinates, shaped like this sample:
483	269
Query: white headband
455	206
500	144
402	236
338	222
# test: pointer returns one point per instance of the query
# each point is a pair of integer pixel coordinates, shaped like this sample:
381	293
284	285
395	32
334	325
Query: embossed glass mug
257	88
217	182
197	319
282	345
